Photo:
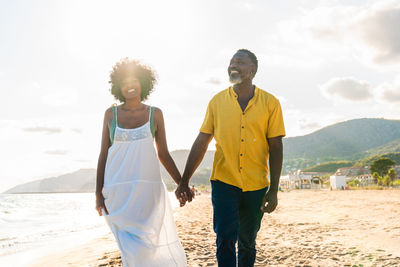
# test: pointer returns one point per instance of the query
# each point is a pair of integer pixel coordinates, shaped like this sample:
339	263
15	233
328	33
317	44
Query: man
247	125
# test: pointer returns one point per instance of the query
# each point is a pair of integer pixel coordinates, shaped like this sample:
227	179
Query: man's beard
235	78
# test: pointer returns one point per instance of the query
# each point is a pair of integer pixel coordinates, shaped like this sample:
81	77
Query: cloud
77	130
56	152
389	92
391	96
82	160
379	29
306	125
371	30
347	88
38	129
214	80
304	121
298	43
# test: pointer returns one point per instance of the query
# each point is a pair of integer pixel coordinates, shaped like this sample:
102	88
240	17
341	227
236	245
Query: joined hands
183	193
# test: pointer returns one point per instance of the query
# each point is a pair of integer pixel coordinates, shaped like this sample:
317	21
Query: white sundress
140	214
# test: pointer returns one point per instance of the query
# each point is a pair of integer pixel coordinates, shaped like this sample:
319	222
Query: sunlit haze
326	61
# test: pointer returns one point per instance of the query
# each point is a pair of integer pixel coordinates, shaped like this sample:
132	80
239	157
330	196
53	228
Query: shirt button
243	113
242	127
240	167
242	140
241	154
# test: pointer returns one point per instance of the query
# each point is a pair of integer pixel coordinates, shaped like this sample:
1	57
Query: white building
301	180
287	183
338	181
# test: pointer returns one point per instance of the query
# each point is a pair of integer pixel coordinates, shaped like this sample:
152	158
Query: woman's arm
162	148
101	163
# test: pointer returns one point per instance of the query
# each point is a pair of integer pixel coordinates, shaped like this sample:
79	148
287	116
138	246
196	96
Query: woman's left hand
100	206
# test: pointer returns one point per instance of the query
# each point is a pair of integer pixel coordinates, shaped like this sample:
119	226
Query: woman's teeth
131	90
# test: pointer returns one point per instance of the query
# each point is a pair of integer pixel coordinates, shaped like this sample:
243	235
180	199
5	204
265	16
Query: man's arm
196	155
275	167
275	161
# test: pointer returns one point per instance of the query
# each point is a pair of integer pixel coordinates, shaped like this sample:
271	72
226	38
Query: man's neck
244	89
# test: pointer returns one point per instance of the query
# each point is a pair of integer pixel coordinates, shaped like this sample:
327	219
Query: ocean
34	225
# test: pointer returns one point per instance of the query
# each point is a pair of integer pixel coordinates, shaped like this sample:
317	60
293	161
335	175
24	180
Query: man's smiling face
240	68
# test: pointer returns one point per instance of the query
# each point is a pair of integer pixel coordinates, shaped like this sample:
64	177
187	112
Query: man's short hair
251	55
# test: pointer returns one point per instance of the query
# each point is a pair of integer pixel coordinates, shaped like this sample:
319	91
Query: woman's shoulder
157	113
109	111
156	110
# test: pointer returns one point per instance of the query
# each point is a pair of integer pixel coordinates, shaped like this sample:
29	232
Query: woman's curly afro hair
129	67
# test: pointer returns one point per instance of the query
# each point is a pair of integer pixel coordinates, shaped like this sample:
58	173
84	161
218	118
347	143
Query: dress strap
116	114
151	119
113	125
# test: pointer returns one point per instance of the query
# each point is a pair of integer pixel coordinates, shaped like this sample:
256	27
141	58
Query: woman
129	190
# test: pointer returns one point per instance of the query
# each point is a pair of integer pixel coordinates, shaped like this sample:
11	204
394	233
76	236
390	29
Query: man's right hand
199	148
183	193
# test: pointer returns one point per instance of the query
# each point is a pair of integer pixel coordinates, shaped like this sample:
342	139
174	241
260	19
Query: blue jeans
237	217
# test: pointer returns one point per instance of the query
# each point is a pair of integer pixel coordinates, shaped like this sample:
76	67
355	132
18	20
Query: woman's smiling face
130	87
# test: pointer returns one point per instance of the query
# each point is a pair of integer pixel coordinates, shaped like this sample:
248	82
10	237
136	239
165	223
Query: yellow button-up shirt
242	150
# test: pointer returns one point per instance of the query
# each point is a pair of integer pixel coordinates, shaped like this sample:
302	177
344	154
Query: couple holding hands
247	125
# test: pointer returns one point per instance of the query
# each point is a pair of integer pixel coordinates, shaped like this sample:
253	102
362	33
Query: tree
387	181
381	166
392	174
377	178
355	183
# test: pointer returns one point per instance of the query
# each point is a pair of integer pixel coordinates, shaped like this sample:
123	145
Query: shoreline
58	246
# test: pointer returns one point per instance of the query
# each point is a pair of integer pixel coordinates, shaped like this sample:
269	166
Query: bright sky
326	61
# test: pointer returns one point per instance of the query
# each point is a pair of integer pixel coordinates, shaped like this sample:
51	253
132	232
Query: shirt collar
234	94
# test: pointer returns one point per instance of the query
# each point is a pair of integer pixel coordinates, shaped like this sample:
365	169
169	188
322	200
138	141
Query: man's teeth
131	90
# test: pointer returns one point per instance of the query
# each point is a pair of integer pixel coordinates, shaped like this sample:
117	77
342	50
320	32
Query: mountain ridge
343	140
353	140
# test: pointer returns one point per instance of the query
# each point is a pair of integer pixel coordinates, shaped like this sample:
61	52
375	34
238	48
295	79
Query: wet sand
309	228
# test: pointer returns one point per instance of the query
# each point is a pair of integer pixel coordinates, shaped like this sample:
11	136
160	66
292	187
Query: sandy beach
309	228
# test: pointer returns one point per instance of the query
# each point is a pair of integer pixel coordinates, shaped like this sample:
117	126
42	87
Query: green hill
352	140
395	156
393	146
330	166
343	140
